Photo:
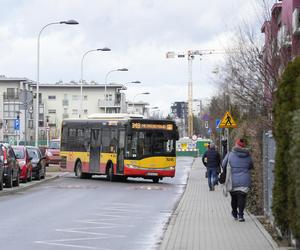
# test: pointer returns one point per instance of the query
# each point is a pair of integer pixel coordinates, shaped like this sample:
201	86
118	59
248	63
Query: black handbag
222	177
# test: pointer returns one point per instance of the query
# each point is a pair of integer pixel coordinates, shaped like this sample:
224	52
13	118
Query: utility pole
190	54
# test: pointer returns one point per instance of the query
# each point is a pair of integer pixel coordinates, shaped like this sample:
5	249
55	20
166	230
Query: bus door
95	150
121	151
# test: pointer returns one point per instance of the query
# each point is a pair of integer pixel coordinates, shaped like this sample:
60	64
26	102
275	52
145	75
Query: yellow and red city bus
119	147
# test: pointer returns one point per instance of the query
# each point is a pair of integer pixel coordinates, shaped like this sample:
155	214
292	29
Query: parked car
1	169
38	162
24	163
52	152
11	173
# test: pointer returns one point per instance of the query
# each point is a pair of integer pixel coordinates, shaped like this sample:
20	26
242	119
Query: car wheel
30	176
16	182
78	170
44	174
38	175
1	184
9	181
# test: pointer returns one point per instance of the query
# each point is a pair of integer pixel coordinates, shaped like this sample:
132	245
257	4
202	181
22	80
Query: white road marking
70	245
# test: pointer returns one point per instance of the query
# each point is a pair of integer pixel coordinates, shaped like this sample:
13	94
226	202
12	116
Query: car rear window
33	153
19	153
54	144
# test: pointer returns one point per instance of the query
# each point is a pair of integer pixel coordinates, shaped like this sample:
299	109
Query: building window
52	111
109	97
51	97
11	110
65	111
74	111
75	97
85	98
85	111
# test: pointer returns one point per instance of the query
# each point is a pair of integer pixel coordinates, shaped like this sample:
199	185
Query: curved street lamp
114	70
143	93
69	22
81	73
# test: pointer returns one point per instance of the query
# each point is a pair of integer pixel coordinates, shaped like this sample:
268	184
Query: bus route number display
138	125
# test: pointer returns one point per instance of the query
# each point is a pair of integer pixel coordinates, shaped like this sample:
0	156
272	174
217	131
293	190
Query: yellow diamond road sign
227	121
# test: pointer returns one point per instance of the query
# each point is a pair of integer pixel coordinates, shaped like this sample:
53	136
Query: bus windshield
146	143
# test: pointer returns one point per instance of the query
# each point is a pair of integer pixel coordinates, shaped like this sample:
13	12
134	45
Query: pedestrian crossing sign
227	121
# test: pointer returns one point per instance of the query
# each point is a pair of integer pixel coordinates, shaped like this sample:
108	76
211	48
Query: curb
22	188
169	225
264	231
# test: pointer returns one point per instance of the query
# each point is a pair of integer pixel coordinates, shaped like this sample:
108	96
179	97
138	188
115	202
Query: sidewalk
203	220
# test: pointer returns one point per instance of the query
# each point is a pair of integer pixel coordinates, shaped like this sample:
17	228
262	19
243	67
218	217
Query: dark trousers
238	203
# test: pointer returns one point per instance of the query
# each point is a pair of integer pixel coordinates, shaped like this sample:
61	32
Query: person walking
212	161
241	163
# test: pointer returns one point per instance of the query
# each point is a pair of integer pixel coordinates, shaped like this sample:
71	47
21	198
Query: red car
52	152
24	163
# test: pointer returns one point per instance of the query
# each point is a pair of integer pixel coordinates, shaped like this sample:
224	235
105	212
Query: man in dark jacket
211	160
240	162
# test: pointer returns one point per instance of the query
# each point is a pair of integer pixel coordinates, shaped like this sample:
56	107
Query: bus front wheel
110	173
155	180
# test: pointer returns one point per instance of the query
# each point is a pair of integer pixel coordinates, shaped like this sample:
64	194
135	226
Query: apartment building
16	109
282	34
56	102
138	108
179	112
63	100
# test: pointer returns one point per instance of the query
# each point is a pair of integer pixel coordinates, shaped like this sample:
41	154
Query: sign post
227	122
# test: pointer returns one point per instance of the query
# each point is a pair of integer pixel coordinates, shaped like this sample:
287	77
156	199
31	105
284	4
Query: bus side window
122	139
105	140
87	139
113	141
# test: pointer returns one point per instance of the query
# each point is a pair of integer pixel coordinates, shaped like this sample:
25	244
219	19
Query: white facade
138	108
16	103
63	101
57	101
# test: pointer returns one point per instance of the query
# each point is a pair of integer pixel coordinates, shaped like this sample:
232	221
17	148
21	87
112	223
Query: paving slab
203	220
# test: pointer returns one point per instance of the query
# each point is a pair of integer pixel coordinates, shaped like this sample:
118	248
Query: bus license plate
152	174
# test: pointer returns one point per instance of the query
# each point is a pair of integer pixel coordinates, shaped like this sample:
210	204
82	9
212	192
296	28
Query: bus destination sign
138	125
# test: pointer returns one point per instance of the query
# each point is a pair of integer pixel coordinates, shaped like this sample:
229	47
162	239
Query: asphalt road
70	213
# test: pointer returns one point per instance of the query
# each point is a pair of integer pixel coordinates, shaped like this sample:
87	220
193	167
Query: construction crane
190	55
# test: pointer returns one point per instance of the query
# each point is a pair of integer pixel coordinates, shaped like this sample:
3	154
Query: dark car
52	152
24	163
1	169
11	173
38	162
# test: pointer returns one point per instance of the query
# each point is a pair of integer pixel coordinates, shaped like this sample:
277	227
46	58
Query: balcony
109	104
65	102
12	96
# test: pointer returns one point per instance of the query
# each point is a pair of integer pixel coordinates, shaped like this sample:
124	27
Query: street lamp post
144	93
114	70
69	22
81	74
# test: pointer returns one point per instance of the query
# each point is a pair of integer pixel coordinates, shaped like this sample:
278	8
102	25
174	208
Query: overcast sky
139	33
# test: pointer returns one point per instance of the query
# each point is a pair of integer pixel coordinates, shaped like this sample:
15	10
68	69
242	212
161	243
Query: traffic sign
218	122
17	124
206	124
194	137
227	121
